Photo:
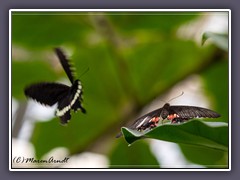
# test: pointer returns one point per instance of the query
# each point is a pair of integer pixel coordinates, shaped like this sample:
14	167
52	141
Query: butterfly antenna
163	101
176	96
84	72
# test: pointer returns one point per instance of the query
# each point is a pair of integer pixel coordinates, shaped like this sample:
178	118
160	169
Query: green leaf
208	134
220	40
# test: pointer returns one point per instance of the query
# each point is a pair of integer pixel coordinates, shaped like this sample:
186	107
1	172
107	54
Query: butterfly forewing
188	112
47	93
65	64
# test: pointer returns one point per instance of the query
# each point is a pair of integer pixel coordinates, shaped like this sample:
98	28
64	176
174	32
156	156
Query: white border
114	10
230	89
10	90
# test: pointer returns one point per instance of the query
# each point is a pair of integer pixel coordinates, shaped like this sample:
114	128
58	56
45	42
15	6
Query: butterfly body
67	97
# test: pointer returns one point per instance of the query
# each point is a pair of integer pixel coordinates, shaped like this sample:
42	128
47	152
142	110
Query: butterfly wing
65	64
189	112
77	106
63	109
173	113
144	122
65	118
47	93
70	101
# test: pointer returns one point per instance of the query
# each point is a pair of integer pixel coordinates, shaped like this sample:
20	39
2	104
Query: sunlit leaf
206	134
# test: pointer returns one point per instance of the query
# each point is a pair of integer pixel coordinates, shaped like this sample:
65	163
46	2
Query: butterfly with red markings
176	114
50	93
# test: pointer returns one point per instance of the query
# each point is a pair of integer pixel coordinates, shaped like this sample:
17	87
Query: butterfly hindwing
70	101
65	118
47	93
145	121
77	106
63	109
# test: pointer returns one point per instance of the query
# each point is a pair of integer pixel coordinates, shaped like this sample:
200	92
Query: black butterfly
176	114
66	97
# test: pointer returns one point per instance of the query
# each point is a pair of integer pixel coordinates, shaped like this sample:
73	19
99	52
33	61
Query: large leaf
207	134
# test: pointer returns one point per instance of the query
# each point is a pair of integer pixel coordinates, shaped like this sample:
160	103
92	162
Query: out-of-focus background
137	61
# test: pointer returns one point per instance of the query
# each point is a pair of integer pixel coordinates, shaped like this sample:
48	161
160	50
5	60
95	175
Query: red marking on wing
172	116
155	121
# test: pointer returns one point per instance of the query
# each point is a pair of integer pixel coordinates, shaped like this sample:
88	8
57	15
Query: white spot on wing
141	123
67	108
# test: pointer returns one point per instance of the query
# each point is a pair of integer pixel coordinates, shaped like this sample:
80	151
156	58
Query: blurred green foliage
137	156
132	59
